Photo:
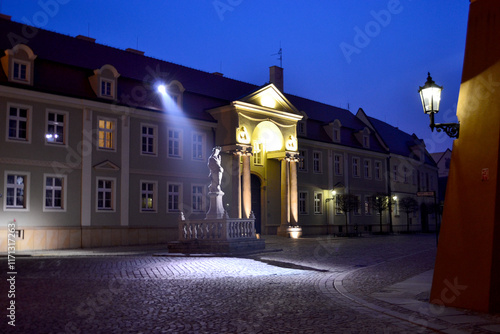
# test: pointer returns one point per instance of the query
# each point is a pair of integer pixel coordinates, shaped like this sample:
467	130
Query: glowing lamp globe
430	94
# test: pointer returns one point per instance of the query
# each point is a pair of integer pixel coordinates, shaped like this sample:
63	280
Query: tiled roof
72	61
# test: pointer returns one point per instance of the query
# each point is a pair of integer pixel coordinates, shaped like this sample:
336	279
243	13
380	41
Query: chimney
85	38
276	77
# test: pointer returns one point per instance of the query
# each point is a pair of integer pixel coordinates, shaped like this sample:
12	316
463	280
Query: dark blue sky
370	54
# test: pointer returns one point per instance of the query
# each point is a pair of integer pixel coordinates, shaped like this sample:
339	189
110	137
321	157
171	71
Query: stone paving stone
282	292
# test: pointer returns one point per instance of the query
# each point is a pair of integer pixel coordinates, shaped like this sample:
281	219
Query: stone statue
216	170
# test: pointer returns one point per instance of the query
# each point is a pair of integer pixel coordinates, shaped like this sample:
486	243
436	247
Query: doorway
255	186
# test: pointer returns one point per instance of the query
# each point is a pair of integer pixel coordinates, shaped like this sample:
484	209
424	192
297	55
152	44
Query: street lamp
430	94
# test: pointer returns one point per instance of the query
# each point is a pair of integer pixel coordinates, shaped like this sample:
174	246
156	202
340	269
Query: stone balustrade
226	229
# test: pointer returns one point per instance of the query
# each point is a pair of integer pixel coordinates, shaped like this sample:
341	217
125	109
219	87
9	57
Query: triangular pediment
270	98
106	165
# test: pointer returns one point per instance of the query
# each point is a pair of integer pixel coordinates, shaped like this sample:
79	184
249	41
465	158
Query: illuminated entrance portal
259	140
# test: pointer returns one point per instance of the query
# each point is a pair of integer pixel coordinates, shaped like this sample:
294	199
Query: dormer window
301	128
106	88
336	131
20	70
18	64
104	82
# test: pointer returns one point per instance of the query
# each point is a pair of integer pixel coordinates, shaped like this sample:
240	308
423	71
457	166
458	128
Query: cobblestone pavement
315	285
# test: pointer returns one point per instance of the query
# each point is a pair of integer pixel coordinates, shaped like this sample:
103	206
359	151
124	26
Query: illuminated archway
269	135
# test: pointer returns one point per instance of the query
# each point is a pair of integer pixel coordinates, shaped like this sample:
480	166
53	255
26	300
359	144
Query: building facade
94	154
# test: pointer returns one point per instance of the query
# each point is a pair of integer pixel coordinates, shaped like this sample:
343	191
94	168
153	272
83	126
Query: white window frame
395	173
367	169
378	170
302	165
317	162
318	203
56	124
29	112
111	83
113	132
368	206
63	190
153	194
198	198
356	168
147	136
20	62
258	153
26	187
177	194
172	140
338	166
112	192
302	202
201	148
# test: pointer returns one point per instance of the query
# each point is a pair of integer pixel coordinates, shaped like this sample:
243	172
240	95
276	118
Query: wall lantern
430	94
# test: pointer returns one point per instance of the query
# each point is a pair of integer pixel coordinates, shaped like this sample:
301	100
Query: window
303	160
16	191
318	203
107	89
198	146
301	128
18	123
105	194
338	164
56	128
148	139
106	138
20	72
355	167
396	207
336	135
197	198
258	149
54	192
405	174
395	173
148	196
303	202
357	209
338	211
368	205
378	170
317	163
367	167
174	197
366	141
174	143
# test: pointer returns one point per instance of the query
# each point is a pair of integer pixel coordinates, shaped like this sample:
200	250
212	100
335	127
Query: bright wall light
162	89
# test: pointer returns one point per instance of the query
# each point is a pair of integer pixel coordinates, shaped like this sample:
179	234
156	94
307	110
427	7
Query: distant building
94	155
442	160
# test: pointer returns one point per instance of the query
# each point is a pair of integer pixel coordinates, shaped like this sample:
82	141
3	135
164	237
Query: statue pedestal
216	209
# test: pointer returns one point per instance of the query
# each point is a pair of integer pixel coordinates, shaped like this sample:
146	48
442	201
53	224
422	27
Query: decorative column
247	191
285	211
235	206
294	206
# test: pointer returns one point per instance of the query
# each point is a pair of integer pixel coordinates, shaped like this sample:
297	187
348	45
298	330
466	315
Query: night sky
370	54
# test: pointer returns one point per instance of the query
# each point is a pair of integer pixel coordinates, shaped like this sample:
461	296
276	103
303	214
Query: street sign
425	194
